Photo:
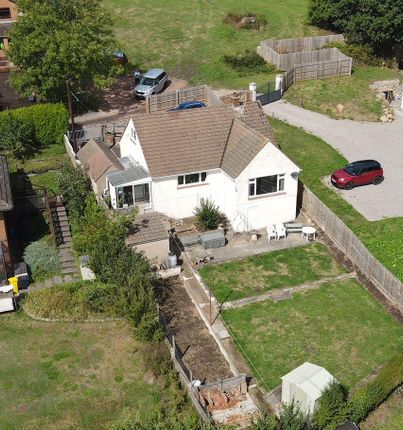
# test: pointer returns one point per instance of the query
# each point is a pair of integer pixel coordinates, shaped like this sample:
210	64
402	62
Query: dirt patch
120	96
200	352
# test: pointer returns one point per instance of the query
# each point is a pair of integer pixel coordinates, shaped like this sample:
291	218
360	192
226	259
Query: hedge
49	120
374	393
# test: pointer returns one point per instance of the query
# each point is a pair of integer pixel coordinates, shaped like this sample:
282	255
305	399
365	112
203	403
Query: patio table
308	232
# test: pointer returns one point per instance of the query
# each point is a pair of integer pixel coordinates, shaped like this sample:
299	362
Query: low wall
69	150
387	283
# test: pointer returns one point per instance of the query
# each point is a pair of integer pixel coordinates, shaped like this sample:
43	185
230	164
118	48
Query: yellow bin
14	282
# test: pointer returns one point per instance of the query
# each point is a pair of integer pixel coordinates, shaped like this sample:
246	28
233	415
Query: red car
358	173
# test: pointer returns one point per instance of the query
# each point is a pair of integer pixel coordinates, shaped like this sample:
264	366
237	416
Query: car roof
153	73
190	103
365	163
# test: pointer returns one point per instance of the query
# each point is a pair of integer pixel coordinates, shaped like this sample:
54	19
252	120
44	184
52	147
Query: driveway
358	140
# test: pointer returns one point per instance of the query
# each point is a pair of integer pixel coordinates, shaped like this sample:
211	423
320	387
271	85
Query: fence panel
387	283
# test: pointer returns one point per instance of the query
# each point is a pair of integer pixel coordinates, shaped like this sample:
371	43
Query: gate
270	94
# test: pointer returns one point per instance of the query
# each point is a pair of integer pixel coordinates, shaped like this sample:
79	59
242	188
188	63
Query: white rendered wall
179	202
261	211
130	146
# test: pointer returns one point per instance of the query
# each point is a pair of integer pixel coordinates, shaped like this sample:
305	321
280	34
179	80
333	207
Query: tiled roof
6	198
255	118
242	146
183	141
195	140
148	228
4	28
97	158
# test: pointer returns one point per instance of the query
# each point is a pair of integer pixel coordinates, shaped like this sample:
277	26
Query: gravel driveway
358	140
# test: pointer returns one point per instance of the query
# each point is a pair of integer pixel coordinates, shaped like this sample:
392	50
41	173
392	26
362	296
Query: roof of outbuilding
6	198
98	159
148	228
195	140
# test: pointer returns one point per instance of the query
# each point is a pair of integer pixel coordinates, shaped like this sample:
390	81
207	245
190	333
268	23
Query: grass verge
68	375
318	159
359	102
339	326
257	274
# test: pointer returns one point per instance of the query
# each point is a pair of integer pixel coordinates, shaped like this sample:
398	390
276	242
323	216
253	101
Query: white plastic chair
271	233
280	231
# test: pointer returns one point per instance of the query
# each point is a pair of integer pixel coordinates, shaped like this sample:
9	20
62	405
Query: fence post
173	353
177	97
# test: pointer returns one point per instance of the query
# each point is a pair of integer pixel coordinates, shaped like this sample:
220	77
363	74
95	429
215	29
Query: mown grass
257	274
360	103
189	39
67	375
317	159
339	326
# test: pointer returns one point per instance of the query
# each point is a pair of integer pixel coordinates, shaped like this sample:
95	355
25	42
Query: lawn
352	92
189	39
339	326
317	159
258	274
68	376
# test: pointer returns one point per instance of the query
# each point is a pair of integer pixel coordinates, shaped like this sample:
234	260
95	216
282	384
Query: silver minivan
152	82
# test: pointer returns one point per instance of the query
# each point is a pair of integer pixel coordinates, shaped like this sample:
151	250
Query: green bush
42	259
292	418
248	62
76	301
208	215
48	121
361	55
374	393
332	407
17	137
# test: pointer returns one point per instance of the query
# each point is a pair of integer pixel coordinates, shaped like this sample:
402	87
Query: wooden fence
166	101
302	59
387	283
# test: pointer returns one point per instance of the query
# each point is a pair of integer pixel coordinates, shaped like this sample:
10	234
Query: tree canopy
58	40
366	22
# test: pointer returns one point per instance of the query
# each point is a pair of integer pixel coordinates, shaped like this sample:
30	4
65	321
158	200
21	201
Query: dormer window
192	178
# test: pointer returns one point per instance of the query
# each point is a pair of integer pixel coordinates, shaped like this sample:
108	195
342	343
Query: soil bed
201	354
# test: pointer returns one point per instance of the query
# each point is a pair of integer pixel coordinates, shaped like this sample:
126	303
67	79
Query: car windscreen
150	82
350	170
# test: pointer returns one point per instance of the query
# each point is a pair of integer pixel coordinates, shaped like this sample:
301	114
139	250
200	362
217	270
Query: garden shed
305	385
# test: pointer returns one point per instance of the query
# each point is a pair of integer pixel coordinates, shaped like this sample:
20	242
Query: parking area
358	141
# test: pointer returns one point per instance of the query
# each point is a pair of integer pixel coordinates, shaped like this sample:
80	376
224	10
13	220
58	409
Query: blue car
190	105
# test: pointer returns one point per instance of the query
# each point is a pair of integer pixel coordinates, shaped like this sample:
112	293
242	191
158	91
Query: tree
366	22
16	136
58	40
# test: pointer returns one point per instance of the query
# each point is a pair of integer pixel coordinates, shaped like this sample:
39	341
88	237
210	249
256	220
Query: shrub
16	136
374	393
75	187
361	55
42	258
48	122
76	301
332	407
247	21
249	62
292	418
208	215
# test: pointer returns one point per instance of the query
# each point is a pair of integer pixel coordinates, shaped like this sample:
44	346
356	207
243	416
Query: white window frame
202	179
280	185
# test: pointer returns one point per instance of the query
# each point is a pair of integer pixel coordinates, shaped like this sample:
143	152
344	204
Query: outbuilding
305	385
